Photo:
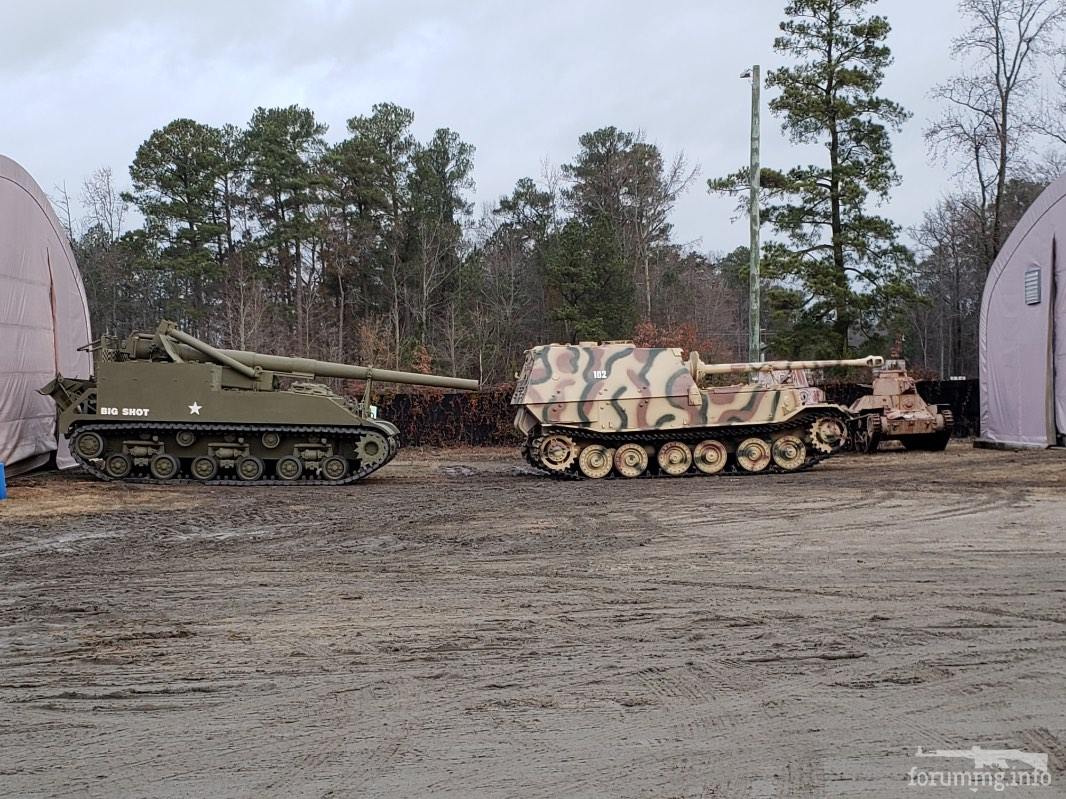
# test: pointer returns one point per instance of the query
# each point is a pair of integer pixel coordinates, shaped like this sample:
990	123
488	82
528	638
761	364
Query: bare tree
61	200
1050	122
989	105
649	215
106	207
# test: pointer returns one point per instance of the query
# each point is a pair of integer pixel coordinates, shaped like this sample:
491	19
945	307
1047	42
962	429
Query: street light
754	285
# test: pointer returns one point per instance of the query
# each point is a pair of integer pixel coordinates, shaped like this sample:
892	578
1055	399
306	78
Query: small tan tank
593	410
894	410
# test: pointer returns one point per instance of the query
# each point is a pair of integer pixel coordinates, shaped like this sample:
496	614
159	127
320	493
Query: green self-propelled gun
164	406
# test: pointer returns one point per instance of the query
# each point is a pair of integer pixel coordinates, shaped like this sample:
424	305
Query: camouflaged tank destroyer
593	410
165	406
895	411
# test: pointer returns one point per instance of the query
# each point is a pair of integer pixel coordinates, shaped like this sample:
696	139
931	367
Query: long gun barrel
699	369
180	346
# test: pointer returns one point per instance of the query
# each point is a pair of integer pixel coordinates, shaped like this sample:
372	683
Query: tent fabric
1023	330
44	319
1059	341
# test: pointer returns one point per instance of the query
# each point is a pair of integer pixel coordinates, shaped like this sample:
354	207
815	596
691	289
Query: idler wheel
710	456
594	461
334	468
249	467
753	455
289	468
372	449
630	460
118	465
164	466
557	452
674	458
89	445
204	468
185	438
789	452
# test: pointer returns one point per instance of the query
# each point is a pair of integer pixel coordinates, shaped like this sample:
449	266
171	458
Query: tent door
1058	339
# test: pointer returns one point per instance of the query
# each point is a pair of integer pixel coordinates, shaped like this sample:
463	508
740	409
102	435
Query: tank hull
602	410
145	421
166	407
895	411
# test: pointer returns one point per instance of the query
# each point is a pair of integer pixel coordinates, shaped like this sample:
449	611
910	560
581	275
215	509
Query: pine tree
846	263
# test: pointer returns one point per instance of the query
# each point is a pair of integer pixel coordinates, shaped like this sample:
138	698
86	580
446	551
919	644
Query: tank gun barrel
700	369
278	363
180	346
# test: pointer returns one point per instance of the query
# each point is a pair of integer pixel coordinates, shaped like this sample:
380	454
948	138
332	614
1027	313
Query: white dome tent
44	319
1023	331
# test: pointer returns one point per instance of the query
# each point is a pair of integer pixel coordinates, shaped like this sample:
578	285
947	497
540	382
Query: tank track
347	432
865	433
658	437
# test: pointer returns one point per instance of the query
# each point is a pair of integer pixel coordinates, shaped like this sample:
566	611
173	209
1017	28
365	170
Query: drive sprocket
827	433
556	452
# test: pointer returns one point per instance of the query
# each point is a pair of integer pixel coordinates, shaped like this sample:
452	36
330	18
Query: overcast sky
84	82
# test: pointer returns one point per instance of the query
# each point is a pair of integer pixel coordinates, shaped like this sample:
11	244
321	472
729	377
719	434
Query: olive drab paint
596	409
165	406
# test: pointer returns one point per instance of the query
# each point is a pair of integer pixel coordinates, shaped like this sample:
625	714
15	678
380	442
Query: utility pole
754	283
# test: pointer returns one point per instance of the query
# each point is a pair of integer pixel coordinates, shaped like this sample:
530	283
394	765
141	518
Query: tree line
368	250
267	236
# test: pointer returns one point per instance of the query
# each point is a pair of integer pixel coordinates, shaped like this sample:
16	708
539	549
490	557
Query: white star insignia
195	408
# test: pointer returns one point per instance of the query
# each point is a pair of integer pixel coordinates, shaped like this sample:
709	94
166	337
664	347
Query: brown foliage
684	335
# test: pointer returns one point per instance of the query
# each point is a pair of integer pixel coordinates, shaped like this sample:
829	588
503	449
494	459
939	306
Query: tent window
1032	286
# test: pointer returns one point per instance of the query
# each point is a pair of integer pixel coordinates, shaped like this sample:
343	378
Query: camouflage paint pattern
619	387
595	409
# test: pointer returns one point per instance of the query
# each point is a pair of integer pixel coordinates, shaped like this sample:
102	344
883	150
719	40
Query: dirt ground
457	626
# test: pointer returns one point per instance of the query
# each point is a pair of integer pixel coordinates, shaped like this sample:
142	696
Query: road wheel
249	467
867	434
289	468
164	466
334	468
204	468
753	455
118	465
710	456
674	458
594	461
631	460
789	452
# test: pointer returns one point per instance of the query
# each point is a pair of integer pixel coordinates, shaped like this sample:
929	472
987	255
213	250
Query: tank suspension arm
168	329
699	369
